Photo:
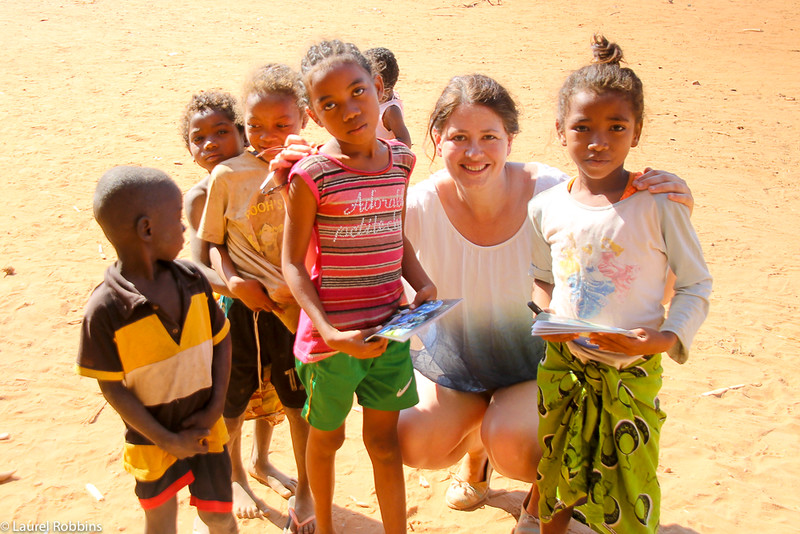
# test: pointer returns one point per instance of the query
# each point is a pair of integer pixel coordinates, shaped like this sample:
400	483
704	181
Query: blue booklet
405	323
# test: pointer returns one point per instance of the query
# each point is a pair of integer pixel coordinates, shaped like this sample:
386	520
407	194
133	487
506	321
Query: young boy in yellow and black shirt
158	345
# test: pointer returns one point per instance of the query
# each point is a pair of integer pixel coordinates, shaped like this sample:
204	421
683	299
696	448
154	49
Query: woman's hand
647	341
665	182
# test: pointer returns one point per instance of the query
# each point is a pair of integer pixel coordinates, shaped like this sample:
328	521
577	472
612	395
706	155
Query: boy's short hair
209	101
385	64
123	194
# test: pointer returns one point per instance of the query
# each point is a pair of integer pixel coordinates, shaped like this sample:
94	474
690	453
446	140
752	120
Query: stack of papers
547	324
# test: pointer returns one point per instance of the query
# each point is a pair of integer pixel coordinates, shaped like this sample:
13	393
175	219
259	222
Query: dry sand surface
90	84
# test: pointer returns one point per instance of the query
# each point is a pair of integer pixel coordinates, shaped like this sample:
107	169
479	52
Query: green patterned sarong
599	431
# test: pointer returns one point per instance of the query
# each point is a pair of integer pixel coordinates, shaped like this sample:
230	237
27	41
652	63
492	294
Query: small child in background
602	253
158	345
391	123
348	201
245	226
213	131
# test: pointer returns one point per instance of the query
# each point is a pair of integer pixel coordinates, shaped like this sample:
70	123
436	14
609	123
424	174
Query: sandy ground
90	84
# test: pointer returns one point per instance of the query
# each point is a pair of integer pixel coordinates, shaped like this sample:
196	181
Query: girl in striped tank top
345	210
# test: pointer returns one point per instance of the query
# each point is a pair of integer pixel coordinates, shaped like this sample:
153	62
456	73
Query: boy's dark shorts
276	344
207	475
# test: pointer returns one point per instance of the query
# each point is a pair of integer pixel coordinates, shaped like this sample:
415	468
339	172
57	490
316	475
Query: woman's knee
514	457
434	443
510	432
439	430
512	413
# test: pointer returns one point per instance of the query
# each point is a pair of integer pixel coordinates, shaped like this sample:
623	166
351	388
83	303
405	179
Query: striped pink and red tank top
358	239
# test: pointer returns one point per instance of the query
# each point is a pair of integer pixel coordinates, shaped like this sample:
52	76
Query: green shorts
383	383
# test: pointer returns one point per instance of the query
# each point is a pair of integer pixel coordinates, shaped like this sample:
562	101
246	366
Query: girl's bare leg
320	460
245	502
304	501
261	468
380	440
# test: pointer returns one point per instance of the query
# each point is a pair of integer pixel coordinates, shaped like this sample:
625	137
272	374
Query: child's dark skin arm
393	121
220	375
300	214
181	444
194	203
251	292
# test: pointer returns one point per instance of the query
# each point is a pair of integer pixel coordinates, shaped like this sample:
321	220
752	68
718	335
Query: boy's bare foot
280	482
245	504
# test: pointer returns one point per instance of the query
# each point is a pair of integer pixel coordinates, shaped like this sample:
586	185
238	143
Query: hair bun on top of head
604	51
604	74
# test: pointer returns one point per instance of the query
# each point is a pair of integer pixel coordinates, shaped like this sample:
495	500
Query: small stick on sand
720	391
92	418
361	504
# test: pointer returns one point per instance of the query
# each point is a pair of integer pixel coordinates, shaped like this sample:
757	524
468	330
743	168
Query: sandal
527	523
463	495
293	520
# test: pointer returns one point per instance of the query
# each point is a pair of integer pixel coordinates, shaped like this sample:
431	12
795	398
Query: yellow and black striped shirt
166	365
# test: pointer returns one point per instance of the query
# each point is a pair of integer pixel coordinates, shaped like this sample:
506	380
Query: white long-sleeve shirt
609	265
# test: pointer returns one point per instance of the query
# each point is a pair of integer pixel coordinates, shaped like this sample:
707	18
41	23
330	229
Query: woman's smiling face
474	144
